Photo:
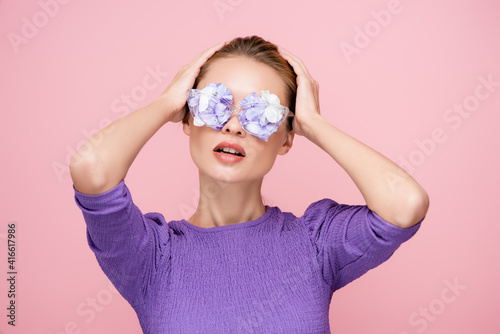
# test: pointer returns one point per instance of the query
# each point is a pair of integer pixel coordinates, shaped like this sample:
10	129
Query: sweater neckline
250	223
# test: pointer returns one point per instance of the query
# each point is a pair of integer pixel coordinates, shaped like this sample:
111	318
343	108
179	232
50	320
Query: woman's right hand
175	95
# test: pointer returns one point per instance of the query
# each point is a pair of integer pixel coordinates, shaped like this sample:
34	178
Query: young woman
238	265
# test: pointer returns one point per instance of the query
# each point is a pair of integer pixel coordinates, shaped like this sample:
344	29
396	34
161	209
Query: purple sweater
275	274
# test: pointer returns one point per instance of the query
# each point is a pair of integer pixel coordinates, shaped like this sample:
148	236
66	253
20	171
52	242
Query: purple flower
261	116
210	106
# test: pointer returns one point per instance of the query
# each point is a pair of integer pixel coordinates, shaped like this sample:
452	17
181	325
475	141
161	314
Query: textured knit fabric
275	274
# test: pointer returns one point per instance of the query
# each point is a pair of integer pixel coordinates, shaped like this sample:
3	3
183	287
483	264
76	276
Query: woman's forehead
243	76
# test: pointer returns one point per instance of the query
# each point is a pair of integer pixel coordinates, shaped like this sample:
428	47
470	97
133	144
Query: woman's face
241	76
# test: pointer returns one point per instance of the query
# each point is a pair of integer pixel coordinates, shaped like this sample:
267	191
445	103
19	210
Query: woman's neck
224	203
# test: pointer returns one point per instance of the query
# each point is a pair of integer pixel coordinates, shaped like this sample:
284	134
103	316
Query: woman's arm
104	160
387	189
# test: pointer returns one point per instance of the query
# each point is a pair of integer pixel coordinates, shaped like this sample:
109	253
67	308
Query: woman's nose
233	124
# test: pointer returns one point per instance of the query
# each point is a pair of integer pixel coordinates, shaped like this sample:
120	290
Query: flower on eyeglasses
274	111
211	105
261	116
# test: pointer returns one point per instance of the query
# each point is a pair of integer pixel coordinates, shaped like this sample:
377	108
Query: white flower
273	114
198	121
205	96
274	111
270	98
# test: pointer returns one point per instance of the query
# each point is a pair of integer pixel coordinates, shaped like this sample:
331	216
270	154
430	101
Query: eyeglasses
212	106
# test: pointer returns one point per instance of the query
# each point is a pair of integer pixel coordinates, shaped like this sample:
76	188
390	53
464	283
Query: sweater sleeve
128	245
349	240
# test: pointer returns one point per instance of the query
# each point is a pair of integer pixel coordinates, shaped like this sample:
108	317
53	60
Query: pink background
67	79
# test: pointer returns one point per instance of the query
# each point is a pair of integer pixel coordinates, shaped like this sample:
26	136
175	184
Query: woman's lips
229	157
234	146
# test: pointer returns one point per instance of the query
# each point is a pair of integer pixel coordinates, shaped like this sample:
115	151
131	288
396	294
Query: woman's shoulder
315	208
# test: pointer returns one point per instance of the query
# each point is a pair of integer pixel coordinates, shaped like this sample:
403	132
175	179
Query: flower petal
252	114
203	104
274	99
272	114
220	109
198	121
262	119
254	128
210	119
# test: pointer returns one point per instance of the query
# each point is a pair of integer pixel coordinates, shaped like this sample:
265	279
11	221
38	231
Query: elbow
87	178
415	209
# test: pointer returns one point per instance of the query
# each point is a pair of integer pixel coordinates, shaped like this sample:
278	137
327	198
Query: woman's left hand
307	102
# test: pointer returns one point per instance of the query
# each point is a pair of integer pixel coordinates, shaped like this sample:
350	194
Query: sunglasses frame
286	112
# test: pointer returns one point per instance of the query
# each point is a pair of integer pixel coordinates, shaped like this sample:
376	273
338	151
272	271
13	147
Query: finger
298	67
287	54
299	63
296	61
203	57
290	58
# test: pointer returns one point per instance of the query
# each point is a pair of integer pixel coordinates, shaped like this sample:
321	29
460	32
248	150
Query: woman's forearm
103	161
387	189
